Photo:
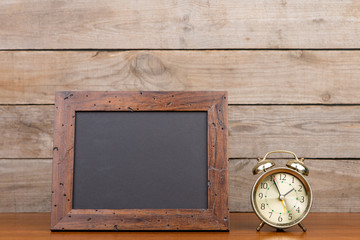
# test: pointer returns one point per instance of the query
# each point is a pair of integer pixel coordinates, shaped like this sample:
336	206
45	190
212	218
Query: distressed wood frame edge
216	217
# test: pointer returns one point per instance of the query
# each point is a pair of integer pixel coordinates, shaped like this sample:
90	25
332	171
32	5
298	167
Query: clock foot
302	227
260	226
280	230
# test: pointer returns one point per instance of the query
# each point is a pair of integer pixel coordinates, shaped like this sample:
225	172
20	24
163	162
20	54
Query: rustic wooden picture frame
64	217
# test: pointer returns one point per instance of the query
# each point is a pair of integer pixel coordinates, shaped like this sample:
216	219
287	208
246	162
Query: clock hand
284	205
288	192
276	185
281	197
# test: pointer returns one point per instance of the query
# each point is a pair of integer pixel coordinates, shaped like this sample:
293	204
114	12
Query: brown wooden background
292	70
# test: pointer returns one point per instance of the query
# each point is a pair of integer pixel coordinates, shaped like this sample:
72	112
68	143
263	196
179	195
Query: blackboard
140	160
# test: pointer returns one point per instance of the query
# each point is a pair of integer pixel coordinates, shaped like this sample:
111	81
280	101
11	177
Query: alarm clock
281	197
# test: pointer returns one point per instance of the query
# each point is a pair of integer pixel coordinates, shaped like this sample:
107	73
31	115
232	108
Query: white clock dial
281	198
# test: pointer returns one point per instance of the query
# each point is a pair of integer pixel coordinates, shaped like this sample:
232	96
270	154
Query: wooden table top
319	225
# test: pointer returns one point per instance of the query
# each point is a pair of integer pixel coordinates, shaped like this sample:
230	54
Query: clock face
281	198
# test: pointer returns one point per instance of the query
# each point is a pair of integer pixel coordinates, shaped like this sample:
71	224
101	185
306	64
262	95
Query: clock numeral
262	206
261	195
270	214
290	216
293	180
280	219
298	209
302	199
264	185
271	178
283	176
300	188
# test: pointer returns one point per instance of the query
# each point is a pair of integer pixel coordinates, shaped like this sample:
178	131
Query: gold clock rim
300	177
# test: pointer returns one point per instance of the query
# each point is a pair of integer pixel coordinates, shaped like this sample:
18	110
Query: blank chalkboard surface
140	160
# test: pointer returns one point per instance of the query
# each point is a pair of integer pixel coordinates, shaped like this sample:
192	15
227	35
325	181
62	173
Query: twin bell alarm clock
281	197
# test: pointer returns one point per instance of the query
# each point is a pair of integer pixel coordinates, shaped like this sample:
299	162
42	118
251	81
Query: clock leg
260	226
302	227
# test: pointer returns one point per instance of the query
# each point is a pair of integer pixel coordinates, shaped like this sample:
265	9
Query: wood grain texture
174	25
214	217
335	184
309	131
25	185
250	77
26	131
320	226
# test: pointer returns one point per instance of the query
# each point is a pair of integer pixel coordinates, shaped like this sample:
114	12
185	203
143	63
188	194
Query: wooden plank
309	131
25	185
321	226
250	77
335	184
165	24
26	131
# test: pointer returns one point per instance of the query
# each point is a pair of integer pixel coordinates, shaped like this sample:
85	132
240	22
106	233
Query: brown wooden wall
291	68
